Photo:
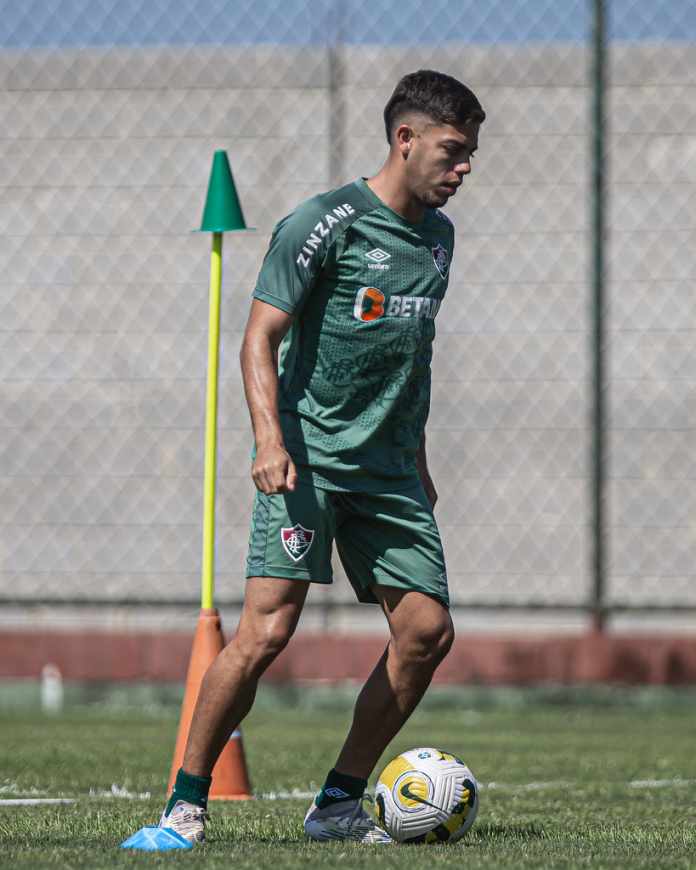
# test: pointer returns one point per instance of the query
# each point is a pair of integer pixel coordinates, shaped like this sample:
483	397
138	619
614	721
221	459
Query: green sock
340	787
190	788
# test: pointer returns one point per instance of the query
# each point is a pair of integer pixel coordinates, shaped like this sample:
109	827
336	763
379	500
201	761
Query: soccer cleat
188	820
344	820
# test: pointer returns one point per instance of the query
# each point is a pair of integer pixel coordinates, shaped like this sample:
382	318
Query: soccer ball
426	796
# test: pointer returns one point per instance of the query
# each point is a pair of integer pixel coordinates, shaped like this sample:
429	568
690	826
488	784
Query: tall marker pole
208	569
222	213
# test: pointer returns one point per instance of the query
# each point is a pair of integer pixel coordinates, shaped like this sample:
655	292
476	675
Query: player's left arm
424	474
421	458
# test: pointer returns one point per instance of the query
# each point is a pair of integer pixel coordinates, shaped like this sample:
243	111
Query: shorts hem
284	574
382	578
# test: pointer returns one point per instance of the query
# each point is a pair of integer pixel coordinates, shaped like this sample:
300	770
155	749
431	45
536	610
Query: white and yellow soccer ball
426	796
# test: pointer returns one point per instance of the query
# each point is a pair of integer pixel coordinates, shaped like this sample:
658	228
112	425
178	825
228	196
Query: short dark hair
435	94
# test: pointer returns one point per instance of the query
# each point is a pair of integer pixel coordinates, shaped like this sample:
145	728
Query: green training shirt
354	368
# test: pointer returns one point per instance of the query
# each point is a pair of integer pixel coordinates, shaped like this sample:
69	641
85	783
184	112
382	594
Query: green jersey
354	368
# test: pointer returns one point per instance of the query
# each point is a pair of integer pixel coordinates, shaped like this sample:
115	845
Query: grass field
577	785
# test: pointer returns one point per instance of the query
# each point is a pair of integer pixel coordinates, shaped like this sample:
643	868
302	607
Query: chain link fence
109	119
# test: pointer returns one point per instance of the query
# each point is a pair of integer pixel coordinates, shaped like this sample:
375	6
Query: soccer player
336	366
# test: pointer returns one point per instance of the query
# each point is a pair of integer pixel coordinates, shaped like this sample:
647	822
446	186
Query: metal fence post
598	298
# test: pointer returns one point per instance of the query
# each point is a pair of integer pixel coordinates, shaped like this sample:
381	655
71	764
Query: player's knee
440	640
429	641
446	638
276	638
270	638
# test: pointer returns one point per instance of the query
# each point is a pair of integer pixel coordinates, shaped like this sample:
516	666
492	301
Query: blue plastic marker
154	839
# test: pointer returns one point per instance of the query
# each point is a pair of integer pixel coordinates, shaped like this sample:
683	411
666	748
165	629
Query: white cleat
344	820
188	820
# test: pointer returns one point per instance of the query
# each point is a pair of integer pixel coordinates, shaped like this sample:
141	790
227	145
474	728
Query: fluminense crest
296	541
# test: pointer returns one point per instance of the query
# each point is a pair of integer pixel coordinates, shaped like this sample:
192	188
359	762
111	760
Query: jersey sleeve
451	232
295	255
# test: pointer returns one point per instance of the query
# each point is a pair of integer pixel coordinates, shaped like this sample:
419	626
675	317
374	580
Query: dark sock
340	787
190	788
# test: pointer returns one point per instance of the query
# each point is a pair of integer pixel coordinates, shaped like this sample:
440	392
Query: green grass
584	812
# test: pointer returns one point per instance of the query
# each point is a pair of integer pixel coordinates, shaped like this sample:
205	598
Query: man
336	366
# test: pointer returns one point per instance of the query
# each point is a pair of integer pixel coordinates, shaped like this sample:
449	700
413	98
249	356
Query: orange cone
230	775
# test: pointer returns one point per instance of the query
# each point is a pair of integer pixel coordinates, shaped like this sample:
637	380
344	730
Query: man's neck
391	191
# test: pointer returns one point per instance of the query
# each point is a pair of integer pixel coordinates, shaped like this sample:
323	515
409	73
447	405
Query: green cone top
222	211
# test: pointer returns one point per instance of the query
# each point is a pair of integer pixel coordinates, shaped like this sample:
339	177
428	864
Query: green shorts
383	539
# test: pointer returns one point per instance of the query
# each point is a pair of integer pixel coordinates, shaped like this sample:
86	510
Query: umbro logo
378	258
336	792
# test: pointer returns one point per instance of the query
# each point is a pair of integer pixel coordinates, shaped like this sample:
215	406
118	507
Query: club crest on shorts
296	541
441	259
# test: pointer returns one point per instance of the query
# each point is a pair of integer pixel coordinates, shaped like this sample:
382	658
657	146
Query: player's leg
390	547
289	547
421	635
272	608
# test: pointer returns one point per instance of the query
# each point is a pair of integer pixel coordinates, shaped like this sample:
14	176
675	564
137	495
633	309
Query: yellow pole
208	572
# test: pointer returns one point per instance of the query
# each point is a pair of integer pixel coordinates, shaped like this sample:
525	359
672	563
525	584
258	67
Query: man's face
438	158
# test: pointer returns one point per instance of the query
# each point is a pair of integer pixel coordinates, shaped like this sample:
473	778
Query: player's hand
273	470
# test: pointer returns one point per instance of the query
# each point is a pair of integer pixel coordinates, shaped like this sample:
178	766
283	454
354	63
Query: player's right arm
273	470
295	255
